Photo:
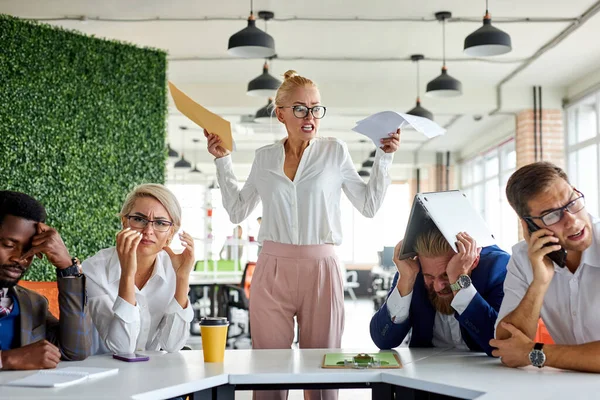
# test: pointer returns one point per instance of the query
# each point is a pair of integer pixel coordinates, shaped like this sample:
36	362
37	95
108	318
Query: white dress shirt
570	307
306	210
446	328
157	321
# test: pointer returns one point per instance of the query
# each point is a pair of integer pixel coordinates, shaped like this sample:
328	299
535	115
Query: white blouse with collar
306	210
156	322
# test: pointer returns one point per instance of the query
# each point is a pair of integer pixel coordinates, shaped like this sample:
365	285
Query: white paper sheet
381	124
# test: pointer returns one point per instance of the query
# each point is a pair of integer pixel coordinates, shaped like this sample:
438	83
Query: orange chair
247	278
47	289
542	334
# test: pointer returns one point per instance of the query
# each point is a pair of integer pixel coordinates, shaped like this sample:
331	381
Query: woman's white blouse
306	210
156	322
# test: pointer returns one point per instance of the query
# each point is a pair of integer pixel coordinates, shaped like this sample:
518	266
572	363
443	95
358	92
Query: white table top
460	374
163	376
468	375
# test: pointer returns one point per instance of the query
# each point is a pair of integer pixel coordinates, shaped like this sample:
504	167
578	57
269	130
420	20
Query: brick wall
552	138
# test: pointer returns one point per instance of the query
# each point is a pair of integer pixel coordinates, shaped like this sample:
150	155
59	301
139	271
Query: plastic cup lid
214	321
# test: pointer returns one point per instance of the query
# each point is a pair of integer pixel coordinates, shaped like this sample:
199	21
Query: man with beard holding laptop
449	299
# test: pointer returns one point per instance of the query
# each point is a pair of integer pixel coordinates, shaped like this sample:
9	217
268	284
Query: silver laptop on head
451	212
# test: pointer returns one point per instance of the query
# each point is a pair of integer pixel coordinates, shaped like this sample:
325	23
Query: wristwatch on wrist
537	356
73	270
464	281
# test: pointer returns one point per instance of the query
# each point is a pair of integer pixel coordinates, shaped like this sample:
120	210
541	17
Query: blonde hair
291	81
432	244
160	193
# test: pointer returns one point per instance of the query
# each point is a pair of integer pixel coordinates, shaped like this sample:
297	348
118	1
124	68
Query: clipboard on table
451	212
383	360
202	116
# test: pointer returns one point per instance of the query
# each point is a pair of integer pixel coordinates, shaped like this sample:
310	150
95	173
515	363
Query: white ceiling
378	76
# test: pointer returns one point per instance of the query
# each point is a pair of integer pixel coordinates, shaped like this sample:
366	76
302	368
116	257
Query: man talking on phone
449	299
30	336
565	295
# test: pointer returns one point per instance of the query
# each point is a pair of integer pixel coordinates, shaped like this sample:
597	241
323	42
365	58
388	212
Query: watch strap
73	270
538	346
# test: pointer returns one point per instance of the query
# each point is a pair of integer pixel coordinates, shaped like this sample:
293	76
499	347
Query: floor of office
356	334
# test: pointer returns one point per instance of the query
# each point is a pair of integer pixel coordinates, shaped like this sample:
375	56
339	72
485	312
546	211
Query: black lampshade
265	85
172	153
367	164
487	41
196	170
251	42
444	86
183	163
364	173
264	114
421	111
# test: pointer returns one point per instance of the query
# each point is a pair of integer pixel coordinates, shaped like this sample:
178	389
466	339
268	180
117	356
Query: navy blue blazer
476	322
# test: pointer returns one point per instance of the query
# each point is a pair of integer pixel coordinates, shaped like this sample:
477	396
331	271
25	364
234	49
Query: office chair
233	302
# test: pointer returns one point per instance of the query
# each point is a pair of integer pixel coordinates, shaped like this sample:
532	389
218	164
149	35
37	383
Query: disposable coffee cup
214	338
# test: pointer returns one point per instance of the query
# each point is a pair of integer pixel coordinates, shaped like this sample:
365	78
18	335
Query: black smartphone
131	357
558	256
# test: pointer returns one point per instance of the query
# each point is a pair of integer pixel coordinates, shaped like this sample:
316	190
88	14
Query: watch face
464	281
537	358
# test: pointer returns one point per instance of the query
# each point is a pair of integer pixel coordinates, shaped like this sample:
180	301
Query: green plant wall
82	121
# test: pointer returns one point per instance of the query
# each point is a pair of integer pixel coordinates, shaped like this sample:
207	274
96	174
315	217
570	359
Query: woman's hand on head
215	145
391	144
127	244
183	263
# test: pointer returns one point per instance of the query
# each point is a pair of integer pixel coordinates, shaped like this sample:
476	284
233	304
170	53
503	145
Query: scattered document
62	377
378	126
203	117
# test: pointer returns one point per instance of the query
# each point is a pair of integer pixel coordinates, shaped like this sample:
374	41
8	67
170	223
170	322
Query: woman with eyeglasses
138	290
300	180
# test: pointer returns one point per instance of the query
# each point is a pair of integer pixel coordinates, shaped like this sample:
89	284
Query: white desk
469	375
459	374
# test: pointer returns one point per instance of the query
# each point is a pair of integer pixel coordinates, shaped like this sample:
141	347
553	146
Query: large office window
483	180
364	237
583	146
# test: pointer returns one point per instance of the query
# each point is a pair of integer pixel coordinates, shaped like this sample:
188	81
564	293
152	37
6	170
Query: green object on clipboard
383	360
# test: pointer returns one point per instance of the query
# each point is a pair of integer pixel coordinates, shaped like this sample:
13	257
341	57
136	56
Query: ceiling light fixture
264	113
195	169
418	110
182	162
251	42
444	85
172	152
264	85
487	41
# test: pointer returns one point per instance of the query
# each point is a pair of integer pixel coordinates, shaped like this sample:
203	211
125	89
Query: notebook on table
62	377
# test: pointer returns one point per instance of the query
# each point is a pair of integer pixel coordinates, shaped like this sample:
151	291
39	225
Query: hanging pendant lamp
264	114
172	152
264	85
418	110
195	169
444	85
251	42
487	41
182	162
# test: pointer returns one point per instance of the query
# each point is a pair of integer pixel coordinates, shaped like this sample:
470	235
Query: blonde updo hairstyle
291	81
158	192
